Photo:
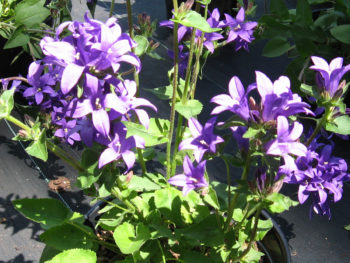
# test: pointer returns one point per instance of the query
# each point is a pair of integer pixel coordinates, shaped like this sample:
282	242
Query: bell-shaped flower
240	31
192	178
65	131
329	74
236	102
277	98
286	141
203	138
121	147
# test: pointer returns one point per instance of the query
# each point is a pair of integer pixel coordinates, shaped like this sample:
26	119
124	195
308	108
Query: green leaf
251	132
6	103
68	236
48	253
326	21
264	226
253	256
89	162
341	33
49	212
127	240
339	125
303	13
347	227
168	202
280	202
275	47
194	19
163	93
142	45
309	90
31	12
156	133
139	184
17	39
279	8
111	219
212	199
76	256
38	147
191	109
196	257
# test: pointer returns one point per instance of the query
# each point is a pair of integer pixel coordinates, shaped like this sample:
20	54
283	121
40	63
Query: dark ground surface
315	240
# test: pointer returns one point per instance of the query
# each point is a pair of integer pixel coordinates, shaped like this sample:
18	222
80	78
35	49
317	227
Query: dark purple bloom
192	178
65	131
203	138
238	132
86	130
240	31
120	147
183	60
329	76
286	142
182	32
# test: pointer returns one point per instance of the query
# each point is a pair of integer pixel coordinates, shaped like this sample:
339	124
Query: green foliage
38	147
341	33
195	20
6	103
31	12
129	240
156	133
340	125
276	47
91	173
280	203
49	212
17	39
191	109
75	255
142	45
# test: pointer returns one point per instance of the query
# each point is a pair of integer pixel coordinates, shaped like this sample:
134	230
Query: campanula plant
85	90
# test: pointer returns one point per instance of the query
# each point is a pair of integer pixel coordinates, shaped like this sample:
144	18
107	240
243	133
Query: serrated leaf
142	45
156	133
139	183
17	39
264	226
67	236
38	147
340	125
275	47
128	240
195	20
6	103
49	212
212	199
251	132
341	33
75	255
191	109
31	12
280	203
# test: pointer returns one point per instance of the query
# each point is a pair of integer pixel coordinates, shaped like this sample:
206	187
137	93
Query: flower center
65	130
238	27
77	56
203	142
98	103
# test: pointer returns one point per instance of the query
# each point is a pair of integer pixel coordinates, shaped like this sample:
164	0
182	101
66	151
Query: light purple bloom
277	98
192	178
329	76
65	131
120	147
203	138
286	142
236	102
241	32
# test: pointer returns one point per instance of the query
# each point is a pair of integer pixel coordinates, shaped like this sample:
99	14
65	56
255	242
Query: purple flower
277	98
240	31
65	131
236	102
286	142
203	139
329	76
238	132
318	175
183	60
182	32
40	83
120	147
192	178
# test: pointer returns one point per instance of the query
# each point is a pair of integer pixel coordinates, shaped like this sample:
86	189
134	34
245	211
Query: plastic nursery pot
274	245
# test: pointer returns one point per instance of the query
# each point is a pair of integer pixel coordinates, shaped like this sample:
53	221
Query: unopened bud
23	134
29	120
252	104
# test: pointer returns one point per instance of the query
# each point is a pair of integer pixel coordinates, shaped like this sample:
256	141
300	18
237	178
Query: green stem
178	137
228	180
196	65
65	156
252	235
113	204
161	250
320	123
235	197
112	8
116	192
19	124
93	237
173	101
141	161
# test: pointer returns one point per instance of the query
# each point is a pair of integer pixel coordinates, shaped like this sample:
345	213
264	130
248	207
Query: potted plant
85	93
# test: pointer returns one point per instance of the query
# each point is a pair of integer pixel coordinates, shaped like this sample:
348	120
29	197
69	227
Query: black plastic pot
274	245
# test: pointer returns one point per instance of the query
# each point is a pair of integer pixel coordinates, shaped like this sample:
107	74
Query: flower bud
29	120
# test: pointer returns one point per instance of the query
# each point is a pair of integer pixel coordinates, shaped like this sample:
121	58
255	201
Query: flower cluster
77	81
